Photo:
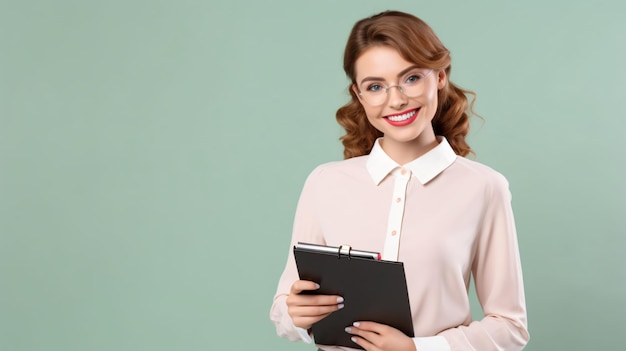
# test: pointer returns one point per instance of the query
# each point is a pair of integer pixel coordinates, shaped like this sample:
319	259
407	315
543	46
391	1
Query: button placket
396	213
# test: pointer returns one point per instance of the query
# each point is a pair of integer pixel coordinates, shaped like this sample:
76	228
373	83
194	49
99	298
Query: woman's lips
402	119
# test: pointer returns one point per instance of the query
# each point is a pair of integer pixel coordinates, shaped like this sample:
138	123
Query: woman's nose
397	99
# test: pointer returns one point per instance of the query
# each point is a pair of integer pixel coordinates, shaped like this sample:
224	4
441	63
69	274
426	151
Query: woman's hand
379	337
305	310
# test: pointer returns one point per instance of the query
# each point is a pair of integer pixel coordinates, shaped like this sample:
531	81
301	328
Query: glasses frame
400	89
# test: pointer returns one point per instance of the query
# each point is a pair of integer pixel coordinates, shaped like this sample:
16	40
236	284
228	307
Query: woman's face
404	120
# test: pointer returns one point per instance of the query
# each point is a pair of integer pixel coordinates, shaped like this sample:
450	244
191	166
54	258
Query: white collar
424	168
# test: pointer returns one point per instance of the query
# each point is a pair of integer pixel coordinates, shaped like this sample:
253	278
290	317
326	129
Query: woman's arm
293	313
497	275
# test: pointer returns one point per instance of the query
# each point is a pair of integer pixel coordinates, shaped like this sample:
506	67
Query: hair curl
416	42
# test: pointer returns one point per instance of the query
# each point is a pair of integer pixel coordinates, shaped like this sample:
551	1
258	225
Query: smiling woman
412	105
406	190
152	153
388	36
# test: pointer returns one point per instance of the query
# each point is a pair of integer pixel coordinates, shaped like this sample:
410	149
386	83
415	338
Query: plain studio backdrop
152	153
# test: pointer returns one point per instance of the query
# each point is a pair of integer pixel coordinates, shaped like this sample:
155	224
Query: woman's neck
405	152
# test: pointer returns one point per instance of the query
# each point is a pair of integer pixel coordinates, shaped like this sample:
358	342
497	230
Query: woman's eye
375	88
413	78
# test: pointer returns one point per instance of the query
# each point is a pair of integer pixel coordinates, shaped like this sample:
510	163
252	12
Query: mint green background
152	153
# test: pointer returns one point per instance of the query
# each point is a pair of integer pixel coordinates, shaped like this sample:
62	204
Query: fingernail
356	324
317	286
353	339
339	299
340	306
348	330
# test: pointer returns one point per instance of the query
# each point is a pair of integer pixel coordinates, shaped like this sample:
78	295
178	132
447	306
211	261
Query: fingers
304	316
306	309
302	285
368	346
314	311
373	327
295	300
295	297
379	337
364	335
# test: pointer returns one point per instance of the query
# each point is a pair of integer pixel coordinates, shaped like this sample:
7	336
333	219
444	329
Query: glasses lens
374	94
411	85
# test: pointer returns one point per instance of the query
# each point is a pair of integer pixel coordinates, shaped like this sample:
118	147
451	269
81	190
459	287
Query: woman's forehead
381	61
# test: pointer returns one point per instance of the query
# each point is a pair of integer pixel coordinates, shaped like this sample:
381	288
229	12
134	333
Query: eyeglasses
412	84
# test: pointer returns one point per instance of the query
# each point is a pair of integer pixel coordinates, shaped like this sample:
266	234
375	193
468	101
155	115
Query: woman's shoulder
475	171
350	167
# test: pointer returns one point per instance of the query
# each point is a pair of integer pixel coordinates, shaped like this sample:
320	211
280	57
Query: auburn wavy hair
417	43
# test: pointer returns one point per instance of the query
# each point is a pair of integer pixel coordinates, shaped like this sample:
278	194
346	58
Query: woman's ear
442	79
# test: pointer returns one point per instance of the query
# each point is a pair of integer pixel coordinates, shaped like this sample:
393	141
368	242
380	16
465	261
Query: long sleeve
456	222
306	228
497	275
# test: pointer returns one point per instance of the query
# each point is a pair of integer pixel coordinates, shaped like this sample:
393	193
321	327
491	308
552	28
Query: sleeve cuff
304	335
432	343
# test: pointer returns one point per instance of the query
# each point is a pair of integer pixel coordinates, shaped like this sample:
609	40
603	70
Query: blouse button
399	199
393	233
403	171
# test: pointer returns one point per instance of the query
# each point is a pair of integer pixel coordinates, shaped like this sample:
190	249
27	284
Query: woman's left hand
380	337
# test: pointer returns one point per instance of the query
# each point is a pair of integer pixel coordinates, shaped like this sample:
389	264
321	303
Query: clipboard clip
344	250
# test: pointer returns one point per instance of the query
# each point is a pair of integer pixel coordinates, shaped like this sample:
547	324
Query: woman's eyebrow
403	72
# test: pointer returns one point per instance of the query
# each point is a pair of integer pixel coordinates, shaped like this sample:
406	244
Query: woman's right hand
305	310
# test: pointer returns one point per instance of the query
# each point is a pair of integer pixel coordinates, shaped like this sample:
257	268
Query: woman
405	189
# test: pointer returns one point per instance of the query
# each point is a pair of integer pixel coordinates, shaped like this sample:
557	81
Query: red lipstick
404	122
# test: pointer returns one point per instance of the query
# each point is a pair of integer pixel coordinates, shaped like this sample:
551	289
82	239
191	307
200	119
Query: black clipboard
373	290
